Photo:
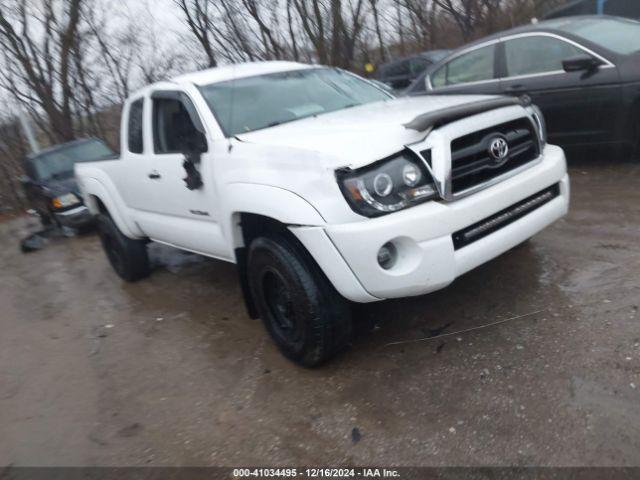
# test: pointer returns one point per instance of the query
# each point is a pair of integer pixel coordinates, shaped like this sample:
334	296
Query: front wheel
128	257
636	149
304	314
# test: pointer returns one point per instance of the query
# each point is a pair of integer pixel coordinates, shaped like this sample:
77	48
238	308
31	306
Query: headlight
66	200
387	186
541	125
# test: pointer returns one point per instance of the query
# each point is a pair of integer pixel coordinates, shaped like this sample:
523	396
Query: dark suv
50	184
400	73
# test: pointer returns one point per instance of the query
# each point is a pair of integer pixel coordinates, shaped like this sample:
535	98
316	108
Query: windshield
59	163
252	103
618	35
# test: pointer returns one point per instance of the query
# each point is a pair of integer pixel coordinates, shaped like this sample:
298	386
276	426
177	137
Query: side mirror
195	145
580	63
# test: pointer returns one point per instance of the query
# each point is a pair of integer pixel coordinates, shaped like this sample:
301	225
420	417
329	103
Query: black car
583	72
50	184
399	74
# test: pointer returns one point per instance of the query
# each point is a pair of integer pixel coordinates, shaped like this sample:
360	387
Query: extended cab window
537	54
474	66
135	127
173	127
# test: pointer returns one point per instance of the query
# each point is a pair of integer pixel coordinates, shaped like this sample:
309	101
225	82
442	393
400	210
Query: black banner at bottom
399	473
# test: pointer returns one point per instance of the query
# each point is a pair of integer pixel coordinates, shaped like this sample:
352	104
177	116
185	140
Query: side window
537	54
439	78
173	127
474	66
134	127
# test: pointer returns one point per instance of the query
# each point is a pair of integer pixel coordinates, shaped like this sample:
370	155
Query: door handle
154	175
516	89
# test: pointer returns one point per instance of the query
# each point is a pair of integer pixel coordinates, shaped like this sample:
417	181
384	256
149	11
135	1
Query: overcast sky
165	14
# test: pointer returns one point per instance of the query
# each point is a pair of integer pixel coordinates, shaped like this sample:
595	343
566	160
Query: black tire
128	257
306	317
635	151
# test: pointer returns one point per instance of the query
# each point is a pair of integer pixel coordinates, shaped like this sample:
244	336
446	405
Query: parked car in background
583	73
322	188
620	8
399	74
50	184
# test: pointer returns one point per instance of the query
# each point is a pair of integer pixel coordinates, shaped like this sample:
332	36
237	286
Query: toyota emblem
499	148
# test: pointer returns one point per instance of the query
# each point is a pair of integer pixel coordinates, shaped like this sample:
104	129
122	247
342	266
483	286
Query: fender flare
277	203
92	189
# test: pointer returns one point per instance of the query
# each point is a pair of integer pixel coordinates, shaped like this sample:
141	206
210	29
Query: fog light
387	255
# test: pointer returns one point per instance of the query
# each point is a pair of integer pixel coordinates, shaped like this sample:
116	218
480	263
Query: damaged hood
359	135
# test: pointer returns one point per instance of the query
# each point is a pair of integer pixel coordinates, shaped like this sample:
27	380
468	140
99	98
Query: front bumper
423	235
76	217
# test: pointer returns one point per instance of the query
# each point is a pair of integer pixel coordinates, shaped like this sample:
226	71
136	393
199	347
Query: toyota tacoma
323	189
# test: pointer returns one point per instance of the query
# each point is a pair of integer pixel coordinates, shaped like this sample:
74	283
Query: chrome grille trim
439	141
472	164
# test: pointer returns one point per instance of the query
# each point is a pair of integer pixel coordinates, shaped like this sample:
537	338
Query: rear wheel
128	257
636	137
304	314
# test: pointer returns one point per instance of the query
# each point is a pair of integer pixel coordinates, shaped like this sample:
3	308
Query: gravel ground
171	371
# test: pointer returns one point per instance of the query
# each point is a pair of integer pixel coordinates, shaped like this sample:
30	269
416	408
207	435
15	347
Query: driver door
176	215
579	107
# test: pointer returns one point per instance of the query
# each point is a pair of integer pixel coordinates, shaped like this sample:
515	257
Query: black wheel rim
284	322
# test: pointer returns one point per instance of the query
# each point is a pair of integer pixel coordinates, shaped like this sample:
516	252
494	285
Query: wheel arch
98	200
267	206
257	210
249	226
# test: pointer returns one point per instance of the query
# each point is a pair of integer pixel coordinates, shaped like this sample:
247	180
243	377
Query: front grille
472	163
495	222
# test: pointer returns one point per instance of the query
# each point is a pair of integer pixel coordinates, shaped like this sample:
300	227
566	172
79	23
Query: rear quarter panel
95	183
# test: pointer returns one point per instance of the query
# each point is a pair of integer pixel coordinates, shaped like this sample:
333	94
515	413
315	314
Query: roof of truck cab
238	70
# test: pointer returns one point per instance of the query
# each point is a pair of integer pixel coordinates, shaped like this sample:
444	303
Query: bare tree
466	14
12	151
38	66
421	15
117	50
268	27
334	30
375	11
200	22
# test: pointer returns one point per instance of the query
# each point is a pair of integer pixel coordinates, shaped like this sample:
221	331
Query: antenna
232	104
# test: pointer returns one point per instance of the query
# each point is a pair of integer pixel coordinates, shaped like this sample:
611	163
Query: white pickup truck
323	189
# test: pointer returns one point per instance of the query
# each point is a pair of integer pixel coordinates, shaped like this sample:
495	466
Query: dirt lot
170	371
